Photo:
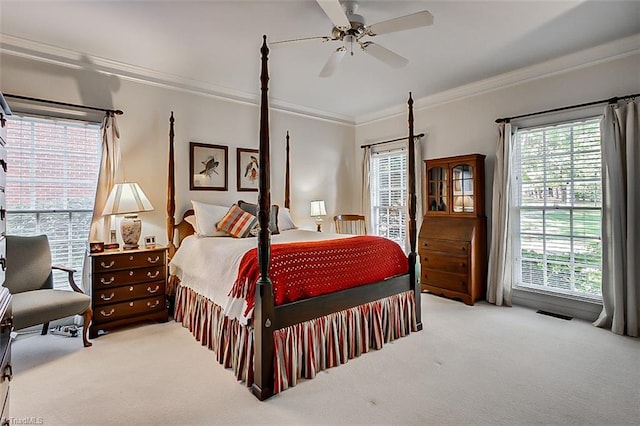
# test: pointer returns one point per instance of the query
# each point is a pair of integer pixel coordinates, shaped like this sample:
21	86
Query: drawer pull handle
150	305
7	373
130	273
130	257
156	260
105	282
463	248
107	266
109	297
3	263
154	275
3	163
153	290
3	213
107	314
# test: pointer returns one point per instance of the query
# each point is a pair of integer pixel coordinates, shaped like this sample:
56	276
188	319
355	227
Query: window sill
583	308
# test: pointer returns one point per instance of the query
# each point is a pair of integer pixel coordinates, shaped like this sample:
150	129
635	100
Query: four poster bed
317	312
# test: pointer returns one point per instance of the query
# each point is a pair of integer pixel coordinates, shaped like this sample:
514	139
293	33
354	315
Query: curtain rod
46	101
391	140
603	101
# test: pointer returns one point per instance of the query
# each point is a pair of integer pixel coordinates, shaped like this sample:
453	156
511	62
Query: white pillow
207	216
285	222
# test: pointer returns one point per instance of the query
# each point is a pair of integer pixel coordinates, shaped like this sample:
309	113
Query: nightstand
128	286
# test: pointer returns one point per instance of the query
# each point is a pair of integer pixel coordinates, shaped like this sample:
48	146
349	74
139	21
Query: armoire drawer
448	281
444	262
447	246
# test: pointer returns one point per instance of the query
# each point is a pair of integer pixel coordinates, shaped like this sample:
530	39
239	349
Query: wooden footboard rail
267	317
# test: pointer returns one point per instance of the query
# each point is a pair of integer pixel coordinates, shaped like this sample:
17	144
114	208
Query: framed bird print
208	166
248	168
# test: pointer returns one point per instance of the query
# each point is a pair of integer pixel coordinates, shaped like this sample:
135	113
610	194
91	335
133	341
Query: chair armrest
63	268
70	272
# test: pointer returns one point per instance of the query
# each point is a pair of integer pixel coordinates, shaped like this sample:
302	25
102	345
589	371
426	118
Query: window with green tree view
557	176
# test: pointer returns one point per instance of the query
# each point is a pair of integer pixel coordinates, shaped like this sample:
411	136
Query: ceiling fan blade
281	43
407	22
333	62
333	9
385	55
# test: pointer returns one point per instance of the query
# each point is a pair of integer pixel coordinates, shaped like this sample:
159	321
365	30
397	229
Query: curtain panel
499	278
366	188
109	167
620	228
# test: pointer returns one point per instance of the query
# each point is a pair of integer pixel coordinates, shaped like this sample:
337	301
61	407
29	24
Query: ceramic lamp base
130	228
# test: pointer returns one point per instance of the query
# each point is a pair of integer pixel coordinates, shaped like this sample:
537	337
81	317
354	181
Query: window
389	195
557	208
51	185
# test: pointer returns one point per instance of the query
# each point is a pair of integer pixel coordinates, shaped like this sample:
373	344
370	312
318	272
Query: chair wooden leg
88	315
45	328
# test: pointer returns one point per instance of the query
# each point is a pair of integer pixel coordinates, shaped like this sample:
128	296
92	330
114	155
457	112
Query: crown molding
582	59
41	52
67	58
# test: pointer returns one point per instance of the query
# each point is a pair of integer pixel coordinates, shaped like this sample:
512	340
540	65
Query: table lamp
318	210
128	199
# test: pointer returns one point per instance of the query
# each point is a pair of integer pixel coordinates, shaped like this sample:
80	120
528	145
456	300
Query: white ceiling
217	42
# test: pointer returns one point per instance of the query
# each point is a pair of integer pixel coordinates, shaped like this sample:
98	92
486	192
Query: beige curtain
620	228
109	169
499	276
366	188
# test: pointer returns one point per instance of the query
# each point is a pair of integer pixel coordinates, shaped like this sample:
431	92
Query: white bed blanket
209	265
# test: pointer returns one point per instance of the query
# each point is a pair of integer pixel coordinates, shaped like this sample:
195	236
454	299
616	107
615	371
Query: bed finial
264	313
287	179
412	214
171	192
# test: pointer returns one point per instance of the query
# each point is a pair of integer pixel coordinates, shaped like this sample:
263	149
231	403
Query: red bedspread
307	269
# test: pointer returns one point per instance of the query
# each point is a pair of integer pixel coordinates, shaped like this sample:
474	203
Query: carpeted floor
481	365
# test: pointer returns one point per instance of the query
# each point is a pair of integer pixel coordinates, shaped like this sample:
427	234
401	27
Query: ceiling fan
351	28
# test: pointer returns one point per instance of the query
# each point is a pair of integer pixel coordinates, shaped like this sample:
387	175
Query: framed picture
248	168
208	165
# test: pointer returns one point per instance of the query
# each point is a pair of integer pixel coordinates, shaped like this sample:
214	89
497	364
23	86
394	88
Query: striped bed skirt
301	350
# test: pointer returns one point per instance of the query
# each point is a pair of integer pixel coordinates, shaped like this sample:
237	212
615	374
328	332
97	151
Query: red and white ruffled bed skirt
301	350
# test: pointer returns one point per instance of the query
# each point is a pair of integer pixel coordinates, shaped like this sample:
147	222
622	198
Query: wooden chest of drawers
127	287
453	257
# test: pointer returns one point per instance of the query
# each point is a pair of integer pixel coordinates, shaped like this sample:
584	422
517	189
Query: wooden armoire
453	236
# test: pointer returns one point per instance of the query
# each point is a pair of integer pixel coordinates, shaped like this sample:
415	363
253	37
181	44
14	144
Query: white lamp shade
126	198
317	208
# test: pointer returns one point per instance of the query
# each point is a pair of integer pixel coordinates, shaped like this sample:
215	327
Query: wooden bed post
287	188
412	215
264	312
171	192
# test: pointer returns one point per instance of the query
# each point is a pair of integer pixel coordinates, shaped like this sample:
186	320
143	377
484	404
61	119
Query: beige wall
321	151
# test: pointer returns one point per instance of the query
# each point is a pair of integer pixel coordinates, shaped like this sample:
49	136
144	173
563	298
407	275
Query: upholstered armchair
29	278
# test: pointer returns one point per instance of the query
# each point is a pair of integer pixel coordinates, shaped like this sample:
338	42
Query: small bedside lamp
128	199
318	210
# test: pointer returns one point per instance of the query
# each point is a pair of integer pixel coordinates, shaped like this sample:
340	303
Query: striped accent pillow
237	222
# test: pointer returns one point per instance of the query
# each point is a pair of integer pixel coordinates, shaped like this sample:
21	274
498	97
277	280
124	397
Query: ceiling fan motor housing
357	23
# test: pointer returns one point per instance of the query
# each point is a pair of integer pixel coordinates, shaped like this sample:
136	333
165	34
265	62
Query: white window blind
557	210
389	195
51	185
